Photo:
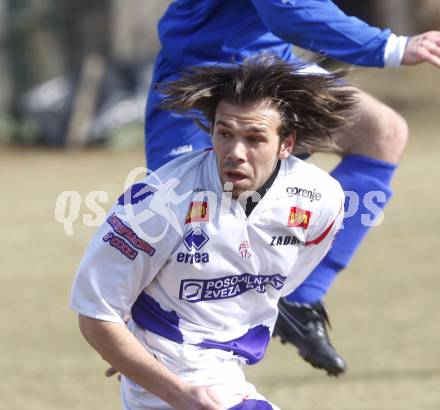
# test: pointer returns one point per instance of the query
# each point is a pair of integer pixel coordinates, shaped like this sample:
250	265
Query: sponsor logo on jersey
244	249
299	218
226	287
198	212
285	240
119	244
191	258
309	194
195	239
183	149
123	230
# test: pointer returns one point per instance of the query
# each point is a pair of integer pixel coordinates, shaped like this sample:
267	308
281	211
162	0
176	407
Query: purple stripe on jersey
252	404
251	345
135	194
148	314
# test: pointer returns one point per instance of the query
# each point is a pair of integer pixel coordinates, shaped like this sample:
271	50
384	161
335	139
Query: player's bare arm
423	48
118	346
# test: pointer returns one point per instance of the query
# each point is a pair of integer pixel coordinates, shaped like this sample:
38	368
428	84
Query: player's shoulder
314	192
175	177
184	168
162	198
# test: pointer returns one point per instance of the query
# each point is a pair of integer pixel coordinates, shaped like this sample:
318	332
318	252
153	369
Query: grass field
385	308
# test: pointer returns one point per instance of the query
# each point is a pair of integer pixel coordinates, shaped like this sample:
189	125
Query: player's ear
286	146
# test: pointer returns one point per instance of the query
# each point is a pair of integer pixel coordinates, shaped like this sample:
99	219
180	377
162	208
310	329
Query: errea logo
195	239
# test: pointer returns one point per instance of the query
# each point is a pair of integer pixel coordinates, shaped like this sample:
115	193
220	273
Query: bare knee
377	131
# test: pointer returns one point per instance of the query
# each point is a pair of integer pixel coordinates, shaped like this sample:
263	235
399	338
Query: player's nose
237	151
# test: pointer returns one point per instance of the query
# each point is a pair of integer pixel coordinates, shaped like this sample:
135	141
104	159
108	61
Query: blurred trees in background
44	39
79	43
40	39
402	16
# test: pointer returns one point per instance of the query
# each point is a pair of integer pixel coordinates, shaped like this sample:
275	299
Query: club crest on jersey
195	239
244	250
198	212
299	218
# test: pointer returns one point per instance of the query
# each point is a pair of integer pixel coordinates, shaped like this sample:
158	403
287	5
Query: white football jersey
181	256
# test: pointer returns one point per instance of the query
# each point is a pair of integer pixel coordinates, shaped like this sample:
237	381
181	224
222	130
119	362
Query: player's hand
111	371
199	398
423	48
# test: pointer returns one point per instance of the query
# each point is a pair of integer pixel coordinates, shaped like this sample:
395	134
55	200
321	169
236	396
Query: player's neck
252	201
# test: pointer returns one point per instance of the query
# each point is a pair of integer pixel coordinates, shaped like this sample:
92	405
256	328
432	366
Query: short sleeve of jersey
325	221
140	232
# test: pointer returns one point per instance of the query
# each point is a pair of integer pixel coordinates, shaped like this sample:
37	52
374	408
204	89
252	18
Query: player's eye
224	134
254	139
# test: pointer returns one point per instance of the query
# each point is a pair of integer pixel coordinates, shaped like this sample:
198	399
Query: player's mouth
234	176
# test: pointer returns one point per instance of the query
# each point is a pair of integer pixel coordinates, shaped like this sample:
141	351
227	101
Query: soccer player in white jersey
242	225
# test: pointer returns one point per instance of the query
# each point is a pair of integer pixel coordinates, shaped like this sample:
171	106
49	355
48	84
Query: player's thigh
376	131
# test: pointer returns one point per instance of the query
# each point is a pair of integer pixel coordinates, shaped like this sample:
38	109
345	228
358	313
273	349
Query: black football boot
305	326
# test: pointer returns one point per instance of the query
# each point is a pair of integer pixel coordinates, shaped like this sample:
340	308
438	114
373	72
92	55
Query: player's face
247	145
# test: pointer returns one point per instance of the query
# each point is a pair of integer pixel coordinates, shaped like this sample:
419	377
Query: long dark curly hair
313	105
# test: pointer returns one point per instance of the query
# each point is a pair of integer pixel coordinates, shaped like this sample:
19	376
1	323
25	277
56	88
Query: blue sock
362	175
